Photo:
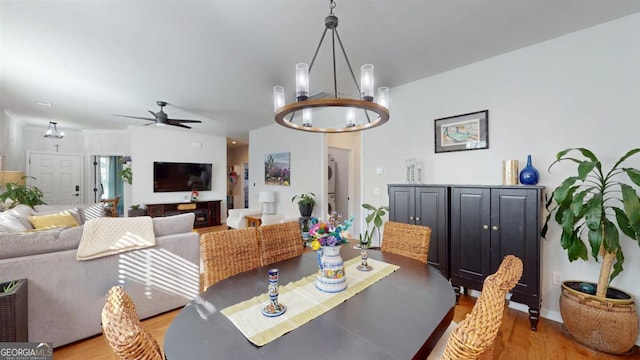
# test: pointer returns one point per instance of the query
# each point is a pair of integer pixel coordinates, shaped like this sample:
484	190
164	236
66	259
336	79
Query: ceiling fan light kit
305	102
161	118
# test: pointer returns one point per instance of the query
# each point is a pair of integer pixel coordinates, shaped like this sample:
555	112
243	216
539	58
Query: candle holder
274	308
364	256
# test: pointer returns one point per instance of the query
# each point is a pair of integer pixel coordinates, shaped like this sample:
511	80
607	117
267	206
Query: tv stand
207	212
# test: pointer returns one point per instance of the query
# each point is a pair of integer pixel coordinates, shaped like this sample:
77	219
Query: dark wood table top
401	316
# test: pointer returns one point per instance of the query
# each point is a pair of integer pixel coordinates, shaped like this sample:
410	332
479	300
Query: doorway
57	175
108	183
338	180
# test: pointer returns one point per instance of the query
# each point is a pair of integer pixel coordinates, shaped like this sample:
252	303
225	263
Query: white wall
580	90
149	144
11	144
308	167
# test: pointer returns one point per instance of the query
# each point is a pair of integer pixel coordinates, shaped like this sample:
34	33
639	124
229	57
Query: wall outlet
557	278
376	191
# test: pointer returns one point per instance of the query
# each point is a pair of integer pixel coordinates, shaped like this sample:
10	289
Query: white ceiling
217	60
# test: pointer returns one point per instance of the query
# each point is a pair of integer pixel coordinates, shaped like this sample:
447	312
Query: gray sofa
66	296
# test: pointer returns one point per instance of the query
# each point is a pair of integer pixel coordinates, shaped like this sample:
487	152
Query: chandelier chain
332	5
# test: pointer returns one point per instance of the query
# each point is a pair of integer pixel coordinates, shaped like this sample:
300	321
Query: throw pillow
53	220
10	223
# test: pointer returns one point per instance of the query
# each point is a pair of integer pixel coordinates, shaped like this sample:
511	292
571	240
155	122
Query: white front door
58	176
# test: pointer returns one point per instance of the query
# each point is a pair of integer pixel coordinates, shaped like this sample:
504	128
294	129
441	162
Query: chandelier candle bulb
383	96
351	118
278	97
306	117
366	81
302	81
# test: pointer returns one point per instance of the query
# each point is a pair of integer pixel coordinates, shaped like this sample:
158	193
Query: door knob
486	227
494	228
410	217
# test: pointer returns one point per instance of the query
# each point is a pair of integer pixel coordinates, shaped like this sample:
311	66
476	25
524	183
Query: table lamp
266	198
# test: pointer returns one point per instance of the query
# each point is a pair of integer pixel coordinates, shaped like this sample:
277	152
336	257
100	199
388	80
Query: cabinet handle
410	217
486	227
494	228
417	218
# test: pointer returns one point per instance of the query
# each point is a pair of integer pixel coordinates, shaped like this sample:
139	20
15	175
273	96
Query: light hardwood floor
514	342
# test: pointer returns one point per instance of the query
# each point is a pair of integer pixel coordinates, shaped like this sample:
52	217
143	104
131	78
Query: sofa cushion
60	219
56	209
15	219
175	224
31	243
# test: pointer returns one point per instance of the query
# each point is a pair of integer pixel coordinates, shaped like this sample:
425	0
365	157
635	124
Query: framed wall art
462	132
277	169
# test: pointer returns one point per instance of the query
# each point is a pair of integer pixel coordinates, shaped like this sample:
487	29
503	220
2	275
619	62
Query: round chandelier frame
305	103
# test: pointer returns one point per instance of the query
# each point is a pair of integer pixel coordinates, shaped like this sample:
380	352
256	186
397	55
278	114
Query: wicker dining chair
407	240
123	330
475	335
227	253
280	241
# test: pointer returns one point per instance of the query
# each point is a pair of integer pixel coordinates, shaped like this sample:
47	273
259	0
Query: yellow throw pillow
53	220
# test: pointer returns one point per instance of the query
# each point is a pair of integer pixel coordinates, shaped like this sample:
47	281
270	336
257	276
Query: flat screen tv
171	176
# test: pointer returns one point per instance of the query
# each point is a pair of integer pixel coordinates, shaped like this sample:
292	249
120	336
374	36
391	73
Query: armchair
237	220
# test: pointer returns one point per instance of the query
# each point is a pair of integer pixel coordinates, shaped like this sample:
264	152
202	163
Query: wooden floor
515	341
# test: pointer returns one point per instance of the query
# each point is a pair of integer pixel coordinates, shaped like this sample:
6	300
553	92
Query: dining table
401	316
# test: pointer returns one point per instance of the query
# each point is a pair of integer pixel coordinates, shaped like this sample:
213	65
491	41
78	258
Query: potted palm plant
595	205
22	194
306	202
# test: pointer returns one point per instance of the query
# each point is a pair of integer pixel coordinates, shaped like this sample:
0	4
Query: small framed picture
462	132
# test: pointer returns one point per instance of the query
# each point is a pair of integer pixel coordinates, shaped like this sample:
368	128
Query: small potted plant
595	205
22	194
306	202
127	175
374	217
137	210
13	307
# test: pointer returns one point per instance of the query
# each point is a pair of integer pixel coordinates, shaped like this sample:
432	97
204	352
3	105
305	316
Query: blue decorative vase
529	175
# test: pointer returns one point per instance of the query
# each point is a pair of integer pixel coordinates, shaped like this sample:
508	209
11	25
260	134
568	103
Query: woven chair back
227	253
407	240
280	242
123	330
474	336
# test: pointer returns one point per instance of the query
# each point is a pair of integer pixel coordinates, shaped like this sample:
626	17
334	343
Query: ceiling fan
161	118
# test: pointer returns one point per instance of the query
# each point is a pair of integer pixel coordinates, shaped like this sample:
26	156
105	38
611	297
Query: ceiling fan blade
134	117
152	113
185	121
178	124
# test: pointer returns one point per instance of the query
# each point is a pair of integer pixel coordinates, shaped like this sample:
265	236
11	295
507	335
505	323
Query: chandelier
52	131
374	113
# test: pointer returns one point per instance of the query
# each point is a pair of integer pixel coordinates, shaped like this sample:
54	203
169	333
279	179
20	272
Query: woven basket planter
13	313
609	325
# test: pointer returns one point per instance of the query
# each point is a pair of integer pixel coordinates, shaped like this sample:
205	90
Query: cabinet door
470	234
431	208
515	230
402	204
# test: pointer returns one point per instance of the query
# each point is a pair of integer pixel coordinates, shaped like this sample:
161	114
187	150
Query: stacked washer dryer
332	185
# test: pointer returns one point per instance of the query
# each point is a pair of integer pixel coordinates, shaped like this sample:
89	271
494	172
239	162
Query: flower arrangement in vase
328	237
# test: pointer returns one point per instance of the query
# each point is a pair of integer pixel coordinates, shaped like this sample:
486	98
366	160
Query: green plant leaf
588	154
585	168
617	266
631	205
623	222
565	189
577	249
633	174
576	202
611	236
595	239
368	207
626	156
593	212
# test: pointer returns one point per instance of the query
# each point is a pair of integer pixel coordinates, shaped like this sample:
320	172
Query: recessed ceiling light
42	103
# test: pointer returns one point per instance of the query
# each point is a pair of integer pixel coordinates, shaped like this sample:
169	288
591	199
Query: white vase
331	275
